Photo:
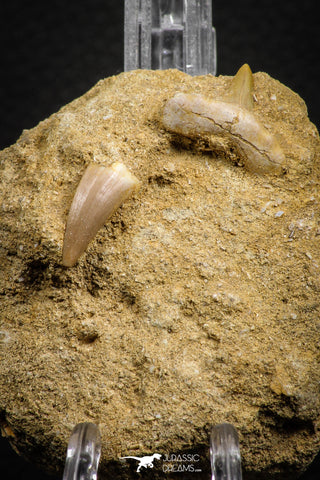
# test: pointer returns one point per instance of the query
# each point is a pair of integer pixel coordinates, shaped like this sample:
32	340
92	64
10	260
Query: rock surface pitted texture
198	303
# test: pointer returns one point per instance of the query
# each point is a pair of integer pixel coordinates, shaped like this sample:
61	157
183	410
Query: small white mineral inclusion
279	214
4	336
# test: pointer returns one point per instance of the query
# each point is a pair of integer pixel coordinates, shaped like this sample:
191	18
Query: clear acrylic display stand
84	449
225	453
83	453
161	34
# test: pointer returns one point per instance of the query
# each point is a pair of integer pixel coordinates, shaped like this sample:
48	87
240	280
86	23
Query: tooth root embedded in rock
100	192
232	119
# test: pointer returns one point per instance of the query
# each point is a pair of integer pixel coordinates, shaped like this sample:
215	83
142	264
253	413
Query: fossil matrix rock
197	302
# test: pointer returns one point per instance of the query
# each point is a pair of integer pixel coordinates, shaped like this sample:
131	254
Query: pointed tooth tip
244	74
241	88
245	68
70	255
66	262
100	192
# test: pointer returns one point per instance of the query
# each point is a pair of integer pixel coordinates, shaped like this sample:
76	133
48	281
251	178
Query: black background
54	51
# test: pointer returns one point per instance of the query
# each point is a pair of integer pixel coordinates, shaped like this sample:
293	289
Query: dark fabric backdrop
54	51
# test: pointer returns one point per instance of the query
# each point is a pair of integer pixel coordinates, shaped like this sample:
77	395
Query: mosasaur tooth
240	90
231	118
100	192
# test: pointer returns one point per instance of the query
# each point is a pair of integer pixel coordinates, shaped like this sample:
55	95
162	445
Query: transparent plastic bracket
83	453
225	453
84	448
161	34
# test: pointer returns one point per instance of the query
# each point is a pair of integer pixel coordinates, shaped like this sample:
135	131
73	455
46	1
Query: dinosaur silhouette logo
145	461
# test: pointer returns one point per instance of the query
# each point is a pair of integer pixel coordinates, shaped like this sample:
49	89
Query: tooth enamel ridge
100	193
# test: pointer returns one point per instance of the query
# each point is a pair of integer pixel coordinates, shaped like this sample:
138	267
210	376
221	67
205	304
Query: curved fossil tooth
100	192
195	115
241	88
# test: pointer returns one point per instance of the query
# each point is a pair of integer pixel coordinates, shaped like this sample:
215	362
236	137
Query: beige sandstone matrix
196	303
